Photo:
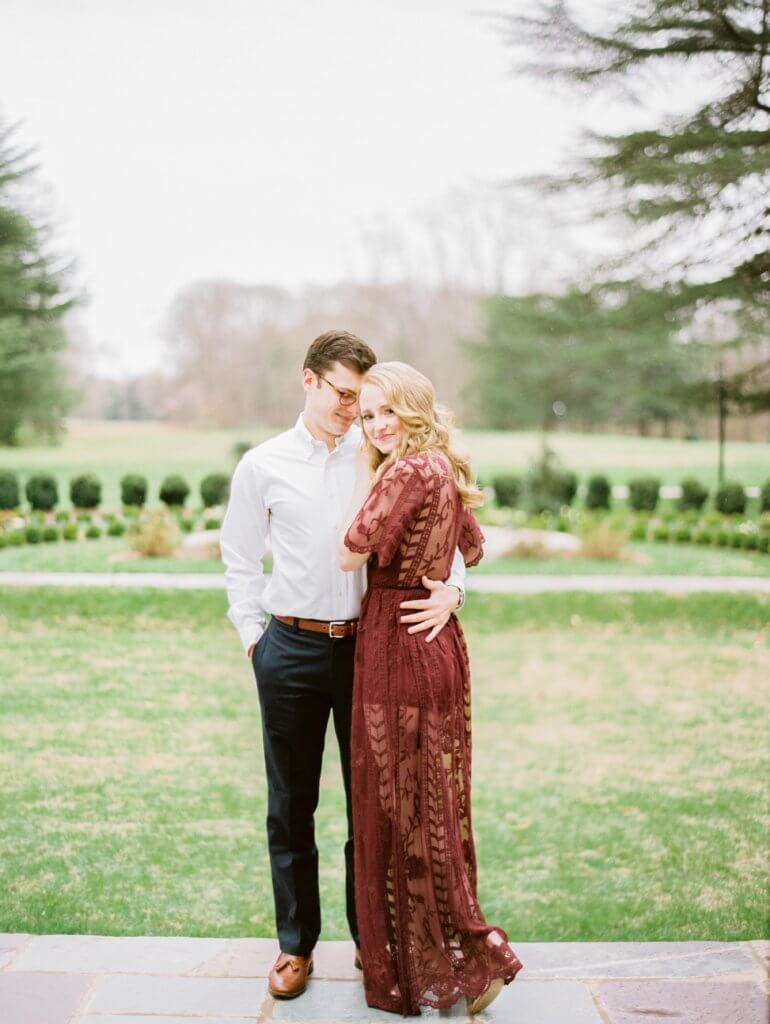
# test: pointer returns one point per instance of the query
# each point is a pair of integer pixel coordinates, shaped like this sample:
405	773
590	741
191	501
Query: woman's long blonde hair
427	425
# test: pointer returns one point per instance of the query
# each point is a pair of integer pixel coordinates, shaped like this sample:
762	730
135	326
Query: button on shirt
295	491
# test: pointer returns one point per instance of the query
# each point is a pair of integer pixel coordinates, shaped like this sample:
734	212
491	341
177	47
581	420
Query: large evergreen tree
32	301
600	355
697	185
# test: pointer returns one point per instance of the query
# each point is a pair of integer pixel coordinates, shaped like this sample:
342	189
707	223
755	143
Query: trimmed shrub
703	537
639	532
174	491
643	493
682	534
69	531
240	448
660	533
186	525
730	499
693	495
116	529
763	543
722	538
599	492
764	497
547	487
15	538
50	534
212	523
86	491
749	541
42	492
133	490
215	489
736	541
507	488
10	494
33	534
93	532
62	517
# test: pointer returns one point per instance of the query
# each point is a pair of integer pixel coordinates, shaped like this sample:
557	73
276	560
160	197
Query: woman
424	940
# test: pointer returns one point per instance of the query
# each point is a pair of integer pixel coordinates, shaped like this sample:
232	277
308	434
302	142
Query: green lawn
111	449
620	767
106	555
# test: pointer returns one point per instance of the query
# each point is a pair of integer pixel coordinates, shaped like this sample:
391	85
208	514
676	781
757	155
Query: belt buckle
336	622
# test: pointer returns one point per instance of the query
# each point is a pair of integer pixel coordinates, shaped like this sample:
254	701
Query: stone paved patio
88	979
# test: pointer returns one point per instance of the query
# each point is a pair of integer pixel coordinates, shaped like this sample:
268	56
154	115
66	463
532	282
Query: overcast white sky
249	138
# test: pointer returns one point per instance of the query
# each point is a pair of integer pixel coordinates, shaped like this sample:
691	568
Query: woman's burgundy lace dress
424	940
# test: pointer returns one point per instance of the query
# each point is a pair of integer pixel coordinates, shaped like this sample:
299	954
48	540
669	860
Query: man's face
325	404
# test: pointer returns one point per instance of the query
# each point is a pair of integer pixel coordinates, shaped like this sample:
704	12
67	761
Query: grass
658	558
112	448
619	768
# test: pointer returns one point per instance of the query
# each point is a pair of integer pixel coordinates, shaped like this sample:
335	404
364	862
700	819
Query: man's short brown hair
339	347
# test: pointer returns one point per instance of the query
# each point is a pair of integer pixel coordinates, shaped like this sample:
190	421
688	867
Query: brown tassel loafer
288	978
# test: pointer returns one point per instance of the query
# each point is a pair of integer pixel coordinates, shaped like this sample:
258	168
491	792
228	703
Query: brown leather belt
336	629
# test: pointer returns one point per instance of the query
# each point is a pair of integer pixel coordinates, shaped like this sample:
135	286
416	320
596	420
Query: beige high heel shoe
490	993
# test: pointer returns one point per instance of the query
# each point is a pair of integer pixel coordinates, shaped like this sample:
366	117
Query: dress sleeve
390	509
471	541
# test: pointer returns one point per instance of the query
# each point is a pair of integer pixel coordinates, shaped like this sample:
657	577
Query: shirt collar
312	444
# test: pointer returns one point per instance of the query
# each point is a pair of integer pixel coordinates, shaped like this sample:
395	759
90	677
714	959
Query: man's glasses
345	397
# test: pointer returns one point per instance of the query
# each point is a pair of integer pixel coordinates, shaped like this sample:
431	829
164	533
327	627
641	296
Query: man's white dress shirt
295	491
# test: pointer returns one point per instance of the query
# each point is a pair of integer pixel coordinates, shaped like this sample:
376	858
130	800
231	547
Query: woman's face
381	425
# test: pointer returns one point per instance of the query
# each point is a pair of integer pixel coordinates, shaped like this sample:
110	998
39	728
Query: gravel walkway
481	584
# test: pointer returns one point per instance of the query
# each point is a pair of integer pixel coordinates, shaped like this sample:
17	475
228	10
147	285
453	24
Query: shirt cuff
250	634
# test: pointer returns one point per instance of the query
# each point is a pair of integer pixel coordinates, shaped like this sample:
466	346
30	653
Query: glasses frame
343	397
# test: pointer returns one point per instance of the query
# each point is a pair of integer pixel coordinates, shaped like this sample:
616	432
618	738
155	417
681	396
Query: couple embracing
368	511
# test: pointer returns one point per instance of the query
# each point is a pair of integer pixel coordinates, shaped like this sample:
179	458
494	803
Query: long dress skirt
424	940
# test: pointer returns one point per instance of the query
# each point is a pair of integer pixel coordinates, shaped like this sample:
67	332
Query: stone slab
761	950
10	943
343	1002
105	954
190	996
685	1002
240	958
542	1002
334	960
253	958
596	960
108	1018
340	1001
41	998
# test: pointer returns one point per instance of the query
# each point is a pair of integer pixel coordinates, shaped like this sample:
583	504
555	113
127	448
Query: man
296	488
